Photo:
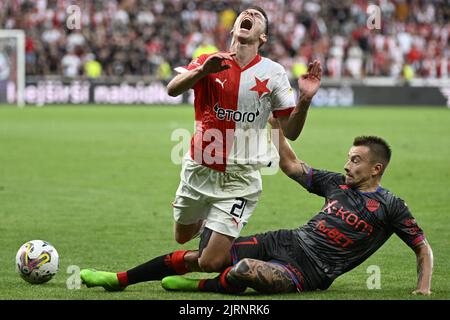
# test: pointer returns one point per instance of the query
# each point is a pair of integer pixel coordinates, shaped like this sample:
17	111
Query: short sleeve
322	182
283	100
192	65
197	62
404	224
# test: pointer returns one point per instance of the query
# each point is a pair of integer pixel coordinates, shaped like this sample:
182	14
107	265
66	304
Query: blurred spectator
408	72
299	67
164	71
206	46
144	37
92	68
71	65
354	61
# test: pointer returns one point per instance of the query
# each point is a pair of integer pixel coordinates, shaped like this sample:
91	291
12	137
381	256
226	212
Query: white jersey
231	112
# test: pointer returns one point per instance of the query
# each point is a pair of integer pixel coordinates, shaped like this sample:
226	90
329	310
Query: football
37	261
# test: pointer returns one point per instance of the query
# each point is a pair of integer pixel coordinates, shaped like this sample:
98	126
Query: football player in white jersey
233	83
235	94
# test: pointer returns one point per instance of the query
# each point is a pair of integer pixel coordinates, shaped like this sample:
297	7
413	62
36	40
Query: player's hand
423	292
309	83
215	63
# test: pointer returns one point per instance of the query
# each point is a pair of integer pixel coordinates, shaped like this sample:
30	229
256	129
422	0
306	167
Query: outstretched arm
293	167
308	84
424	256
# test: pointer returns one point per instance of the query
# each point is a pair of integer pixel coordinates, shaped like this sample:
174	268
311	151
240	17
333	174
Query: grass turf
97	183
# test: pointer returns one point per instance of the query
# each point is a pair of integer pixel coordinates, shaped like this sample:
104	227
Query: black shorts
279	247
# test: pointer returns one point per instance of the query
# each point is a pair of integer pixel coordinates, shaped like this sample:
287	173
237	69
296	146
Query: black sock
158	268
211	285
220	284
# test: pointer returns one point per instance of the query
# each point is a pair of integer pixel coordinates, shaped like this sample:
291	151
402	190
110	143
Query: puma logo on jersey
234	115
220	82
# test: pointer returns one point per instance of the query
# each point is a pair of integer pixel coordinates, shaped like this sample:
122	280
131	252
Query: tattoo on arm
301	174
424	265
420	261
262	276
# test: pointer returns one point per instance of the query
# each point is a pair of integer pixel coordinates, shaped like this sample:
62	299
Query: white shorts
226	200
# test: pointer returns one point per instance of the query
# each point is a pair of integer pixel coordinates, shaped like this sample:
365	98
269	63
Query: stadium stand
145	37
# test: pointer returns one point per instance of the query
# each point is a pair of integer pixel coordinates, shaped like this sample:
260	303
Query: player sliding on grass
235	93
356	220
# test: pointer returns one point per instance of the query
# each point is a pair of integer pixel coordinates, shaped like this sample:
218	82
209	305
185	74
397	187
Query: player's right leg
185	232
189	213
108	280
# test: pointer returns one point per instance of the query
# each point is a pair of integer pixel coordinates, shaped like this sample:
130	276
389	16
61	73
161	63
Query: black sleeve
404	224
322	182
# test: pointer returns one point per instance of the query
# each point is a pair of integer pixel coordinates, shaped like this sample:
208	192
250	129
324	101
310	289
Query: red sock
177	261
123	278
201	285
225	285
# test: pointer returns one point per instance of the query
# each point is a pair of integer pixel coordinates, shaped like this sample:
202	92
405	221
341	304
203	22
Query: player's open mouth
246	24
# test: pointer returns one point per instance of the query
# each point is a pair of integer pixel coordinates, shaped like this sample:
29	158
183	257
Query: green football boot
179	283
107	280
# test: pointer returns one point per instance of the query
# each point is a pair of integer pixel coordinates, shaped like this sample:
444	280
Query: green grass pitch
98	182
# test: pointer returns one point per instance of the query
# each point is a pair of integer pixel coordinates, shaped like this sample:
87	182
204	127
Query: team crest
372	205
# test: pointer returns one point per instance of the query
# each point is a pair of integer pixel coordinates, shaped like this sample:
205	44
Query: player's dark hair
379	148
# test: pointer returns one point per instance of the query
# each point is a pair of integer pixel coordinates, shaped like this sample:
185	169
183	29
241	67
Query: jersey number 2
238	208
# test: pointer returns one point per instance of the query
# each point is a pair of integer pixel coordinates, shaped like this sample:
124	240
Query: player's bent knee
181	239
210	265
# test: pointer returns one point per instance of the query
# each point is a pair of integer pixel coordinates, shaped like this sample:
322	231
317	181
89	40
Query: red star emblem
260	87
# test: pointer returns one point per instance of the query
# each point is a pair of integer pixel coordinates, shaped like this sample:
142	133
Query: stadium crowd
151	37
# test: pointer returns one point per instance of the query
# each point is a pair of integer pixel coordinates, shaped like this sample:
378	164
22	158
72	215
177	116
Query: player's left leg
215	256
225	220
254	267
175	263
184	233
264	277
